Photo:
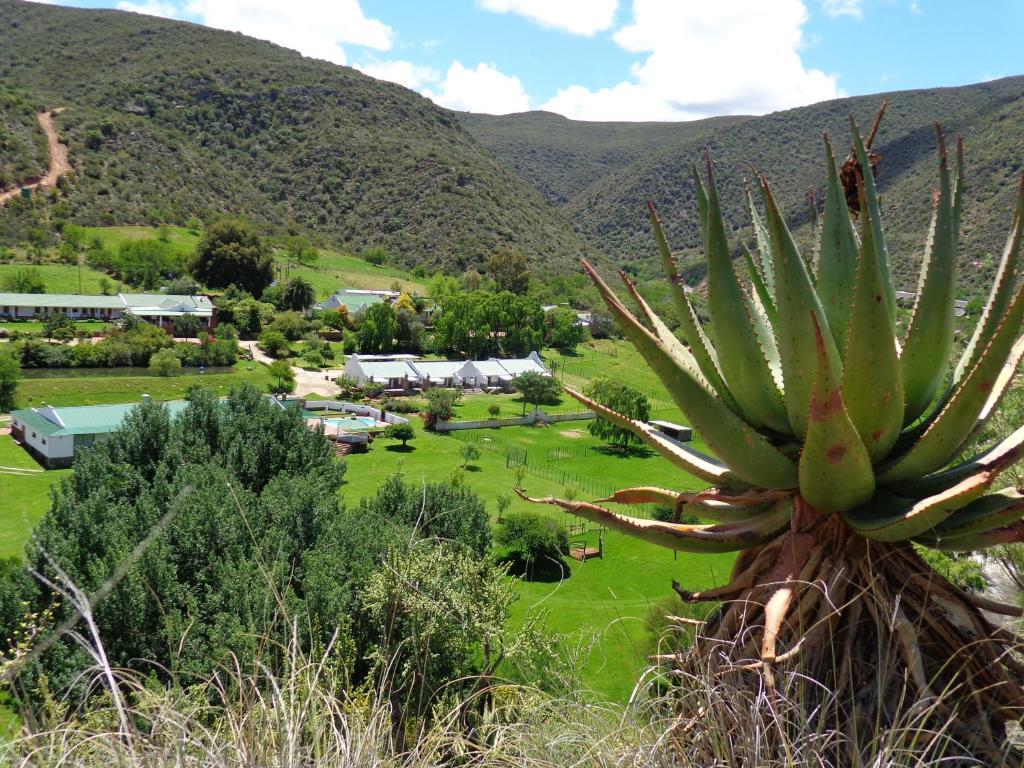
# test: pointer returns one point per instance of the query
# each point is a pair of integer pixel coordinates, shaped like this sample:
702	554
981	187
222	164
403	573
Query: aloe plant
837	445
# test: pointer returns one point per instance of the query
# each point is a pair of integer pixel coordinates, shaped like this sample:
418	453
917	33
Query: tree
337	319
408	331
57	325
10	375
377	255
472	280
403	432
494	410
441	404
378	329
620	398
404	302
860	444
274	344
532	538
298	294
27	280
602	326
165	363
503	500
536	388
187	326
231	252
469	452
291	325
298	249
509	270
564	329
284	377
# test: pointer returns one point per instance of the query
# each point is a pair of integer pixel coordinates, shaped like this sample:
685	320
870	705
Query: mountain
167	120
787	146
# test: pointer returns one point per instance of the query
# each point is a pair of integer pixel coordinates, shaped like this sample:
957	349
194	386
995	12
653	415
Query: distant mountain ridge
787	146
167	120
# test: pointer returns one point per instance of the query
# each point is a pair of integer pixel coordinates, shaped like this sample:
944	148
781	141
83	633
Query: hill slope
168	120
787	147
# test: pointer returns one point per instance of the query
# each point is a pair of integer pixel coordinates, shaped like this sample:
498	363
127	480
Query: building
158	308
52	435
355	300
405	372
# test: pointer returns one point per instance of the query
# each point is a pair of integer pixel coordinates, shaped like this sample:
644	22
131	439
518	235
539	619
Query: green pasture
63	278
179	240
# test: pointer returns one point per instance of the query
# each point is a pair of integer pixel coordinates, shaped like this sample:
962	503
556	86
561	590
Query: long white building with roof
401	373
157	308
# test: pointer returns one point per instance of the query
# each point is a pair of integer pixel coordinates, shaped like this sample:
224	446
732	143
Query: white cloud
482	89
315	28
915	8
580	17
837	8
704	59
152	8
413	76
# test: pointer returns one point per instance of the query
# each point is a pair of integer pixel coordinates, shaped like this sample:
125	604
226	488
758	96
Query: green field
338	270
35	326
99	390
63	278
179	240
25	490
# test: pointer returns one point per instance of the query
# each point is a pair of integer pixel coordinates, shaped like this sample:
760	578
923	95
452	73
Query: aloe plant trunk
837	445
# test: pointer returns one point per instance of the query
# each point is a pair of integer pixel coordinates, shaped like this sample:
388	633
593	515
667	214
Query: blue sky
634	59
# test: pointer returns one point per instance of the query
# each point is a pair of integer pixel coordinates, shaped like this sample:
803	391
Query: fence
539	417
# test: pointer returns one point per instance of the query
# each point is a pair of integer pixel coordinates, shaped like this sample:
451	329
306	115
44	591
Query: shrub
165	363
274	343
532	538
403	432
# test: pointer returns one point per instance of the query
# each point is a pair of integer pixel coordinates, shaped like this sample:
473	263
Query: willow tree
838	443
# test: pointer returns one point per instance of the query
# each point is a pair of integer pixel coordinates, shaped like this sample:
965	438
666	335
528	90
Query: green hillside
787	147
168	121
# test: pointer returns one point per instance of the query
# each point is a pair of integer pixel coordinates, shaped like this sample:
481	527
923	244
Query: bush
274	343
532	538
26	280
165	363
187	326
403	432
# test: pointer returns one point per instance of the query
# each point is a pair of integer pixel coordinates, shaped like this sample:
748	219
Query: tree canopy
623	399
232	252
536	388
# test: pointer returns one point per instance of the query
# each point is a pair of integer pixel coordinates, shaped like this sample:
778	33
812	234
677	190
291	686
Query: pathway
59	163
321	382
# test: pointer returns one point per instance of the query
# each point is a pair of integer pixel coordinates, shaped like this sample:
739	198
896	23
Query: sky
633	59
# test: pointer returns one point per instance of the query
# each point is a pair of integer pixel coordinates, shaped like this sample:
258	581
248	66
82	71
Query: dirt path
305	381
59	164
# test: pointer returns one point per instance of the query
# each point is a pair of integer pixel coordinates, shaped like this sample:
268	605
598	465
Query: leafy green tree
623	399
378	329
510	271
291	324
231	252
165	363
494	410
536	388
403	432
469	452
299	249
28	280
274	343
564	330
187	326
441	404
10	375
284	377
57	325
376	255
602	326
298	294
532	538
408	331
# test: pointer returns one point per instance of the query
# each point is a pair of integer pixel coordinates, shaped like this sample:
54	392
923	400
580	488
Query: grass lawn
63	278
25	490
33	326
338	270
606	602
99	390
180	240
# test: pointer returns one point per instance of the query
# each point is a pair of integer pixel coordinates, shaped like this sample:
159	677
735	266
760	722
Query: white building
400	372
158	308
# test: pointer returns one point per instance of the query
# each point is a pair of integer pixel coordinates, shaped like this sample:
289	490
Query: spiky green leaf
763	242
993	511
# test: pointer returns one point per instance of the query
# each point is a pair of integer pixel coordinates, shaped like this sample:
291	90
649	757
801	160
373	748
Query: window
44	441
33	434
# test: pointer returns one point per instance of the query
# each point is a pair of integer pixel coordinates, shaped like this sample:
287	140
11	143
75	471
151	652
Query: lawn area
63	278
25	490
180	240
34	326
605	601
99	390
338	270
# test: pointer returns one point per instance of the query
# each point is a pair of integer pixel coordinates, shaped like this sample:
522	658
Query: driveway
321	382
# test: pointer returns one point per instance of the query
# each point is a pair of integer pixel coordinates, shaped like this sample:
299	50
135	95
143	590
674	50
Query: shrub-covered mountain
557	155
168	120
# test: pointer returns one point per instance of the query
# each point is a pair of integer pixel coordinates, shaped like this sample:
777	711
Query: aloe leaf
742	338
1001	293
764	298
992	511
837	261
972	542
888	517
700	346
871	194
929	339
835	469
796	303
958	189
747	452
993	462
723	513
647	494
675	347
763	242
726	537
945	435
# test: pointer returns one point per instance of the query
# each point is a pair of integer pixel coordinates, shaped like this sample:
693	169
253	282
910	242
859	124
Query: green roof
85	419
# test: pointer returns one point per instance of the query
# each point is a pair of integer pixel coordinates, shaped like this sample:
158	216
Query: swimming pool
352	424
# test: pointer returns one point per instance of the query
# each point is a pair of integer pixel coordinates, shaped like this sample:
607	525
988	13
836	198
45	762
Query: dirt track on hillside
59	164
